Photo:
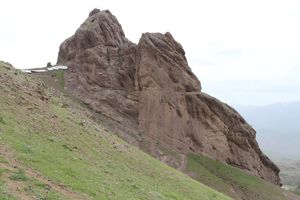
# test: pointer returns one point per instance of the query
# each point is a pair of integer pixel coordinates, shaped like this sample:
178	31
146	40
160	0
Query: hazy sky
244	52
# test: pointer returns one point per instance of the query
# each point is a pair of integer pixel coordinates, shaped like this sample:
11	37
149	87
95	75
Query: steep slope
150	97
53	148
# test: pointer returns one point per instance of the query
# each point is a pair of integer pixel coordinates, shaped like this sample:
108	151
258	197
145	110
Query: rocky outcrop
150	97
101	71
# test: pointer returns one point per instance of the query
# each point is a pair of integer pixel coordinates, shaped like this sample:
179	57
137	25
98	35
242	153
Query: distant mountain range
278	128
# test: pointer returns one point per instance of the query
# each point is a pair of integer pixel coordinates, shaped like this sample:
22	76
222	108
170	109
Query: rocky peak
148	95
161	64
101	28
94	11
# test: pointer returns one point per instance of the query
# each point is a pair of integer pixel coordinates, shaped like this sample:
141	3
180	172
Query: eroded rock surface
150	97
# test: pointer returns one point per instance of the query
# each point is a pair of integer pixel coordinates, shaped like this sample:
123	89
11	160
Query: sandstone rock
101	70
147	94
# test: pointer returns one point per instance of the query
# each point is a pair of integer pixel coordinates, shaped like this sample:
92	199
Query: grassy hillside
51	148
233	181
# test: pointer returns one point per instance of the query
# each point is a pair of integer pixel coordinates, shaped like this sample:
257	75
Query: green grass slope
52	148
232	181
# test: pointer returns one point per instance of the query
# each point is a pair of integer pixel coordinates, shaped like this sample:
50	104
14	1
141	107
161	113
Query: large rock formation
150	97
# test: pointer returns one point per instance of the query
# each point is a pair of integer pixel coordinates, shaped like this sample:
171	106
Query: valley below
279	136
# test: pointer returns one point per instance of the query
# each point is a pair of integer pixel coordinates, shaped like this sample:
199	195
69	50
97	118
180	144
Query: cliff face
150	97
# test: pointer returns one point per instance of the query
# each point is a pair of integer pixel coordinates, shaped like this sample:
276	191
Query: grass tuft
19	176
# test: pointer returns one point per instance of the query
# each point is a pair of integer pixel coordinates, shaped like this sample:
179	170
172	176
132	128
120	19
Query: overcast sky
244	52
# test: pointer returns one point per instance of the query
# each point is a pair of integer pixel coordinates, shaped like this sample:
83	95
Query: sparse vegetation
4	194
42	191
29	186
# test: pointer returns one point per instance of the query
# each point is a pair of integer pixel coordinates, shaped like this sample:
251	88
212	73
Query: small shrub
2	120
66	147
26	149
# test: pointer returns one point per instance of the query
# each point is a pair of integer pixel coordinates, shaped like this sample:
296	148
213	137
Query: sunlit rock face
148	95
